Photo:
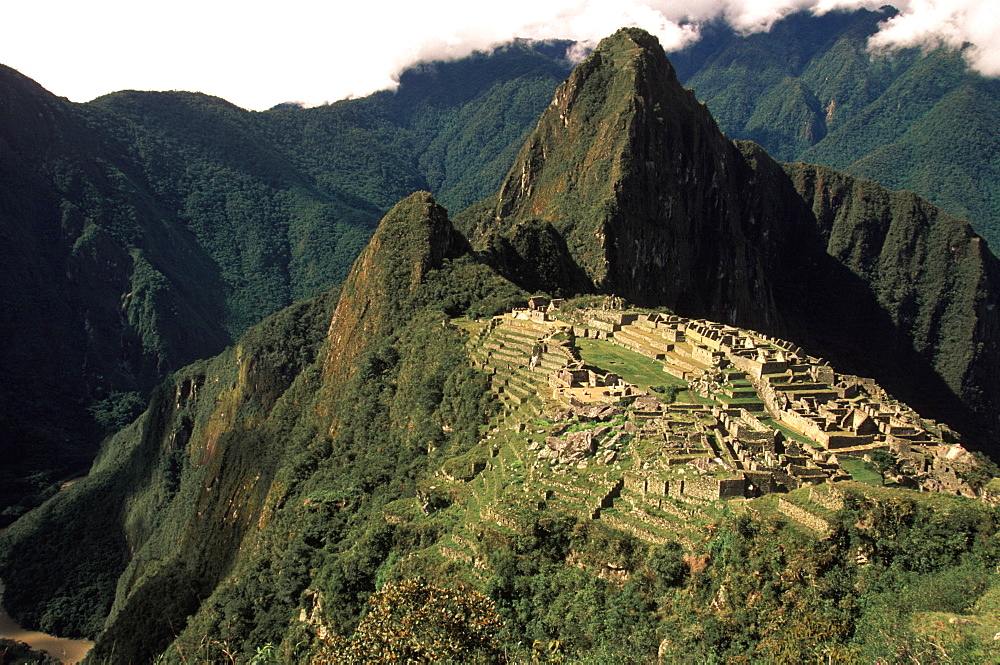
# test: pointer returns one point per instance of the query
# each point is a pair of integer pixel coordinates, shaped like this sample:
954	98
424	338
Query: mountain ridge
378	433
662	210
187	219
302	190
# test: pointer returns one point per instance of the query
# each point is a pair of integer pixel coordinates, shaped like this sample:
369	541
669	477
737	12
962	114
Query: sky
257	54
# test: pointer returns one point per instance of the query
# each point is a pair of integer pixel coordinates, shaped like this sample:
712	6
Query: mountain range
265	495
151	229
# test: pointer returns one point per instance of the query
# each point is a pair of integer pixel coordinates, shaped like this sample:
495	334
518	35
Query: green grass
631	366
748	399
694	398
861	471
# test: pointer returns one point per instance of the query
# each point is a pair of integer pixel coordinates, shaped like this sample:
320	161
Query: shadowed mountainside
271	493
654	204
145	230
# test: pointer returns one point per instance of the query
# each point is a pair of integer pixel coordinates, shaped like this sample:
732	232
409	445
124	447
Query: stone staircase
643	341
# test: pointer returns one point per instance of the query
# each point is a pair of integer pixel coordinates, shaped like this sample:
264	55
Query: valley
64	650
652	396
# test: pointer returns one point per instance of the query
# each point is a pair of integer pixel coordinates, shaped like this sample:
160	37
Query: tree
413	621
884	462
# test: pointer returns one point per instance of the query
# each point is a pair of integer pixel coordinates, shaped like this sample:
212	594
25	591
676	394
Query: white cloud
580	50
950	23
257	53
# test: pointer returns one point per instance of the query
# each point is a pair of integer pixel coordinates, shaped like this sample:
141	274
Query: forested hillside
809	90
146	230
399	468
150	229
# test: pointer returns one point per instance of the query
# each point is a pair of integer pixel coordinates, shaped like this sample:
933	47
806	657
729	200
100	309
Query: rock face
413	238
648	200
574	448
646	191
930	274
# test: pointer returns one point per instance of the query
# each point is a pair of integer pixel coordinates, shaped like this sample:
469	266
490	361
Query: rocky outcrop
656	205
933	277
636	176
413	238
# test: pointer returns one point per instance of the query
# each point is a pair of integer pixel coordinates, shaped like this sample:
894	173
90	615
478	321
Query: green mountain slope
103	292
377	471
212	217
146	230
452	128
367	400
653	204
273	233
809	90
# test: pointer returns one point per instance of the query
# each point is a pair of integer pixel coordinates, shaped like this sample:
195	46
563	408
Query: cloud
972	24
925	23
257	55
580	50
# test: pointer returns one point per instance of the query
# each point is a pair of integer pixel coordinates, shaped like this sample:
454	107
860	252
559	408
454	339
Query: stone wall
622	525
499	518
803	516
603	326
702	488
829	498
635	482
706	355
757	368
829	440
732	487
763	481
834	441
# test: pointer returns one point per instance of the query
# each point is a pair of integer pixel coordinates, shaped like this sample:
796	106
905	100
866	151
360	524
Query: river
68	651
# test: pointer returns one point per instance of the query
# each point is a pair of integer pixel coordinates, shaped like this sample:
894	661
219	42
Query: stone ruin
803	417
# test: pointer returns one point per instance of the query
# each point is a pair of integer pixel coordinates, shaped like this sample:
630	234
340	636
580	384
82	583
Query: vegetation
342	483
155	228
809	90
631	366
19	653
411	621
768	593
884	462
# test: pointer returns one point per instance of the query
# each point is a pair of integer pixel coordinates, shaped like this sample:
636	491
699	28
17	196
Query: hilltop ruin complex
750	415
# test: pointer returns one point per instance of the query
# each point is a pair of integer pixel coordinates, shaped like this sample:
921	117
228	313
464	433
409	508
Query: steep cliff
653	203
316	407
413	239
633	173
930	273
96	307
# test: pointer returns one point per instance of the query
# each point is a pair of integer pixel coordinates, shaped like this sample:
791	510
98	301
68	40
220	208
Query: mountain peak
416	234
649	200
580	131
412	239
622	156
